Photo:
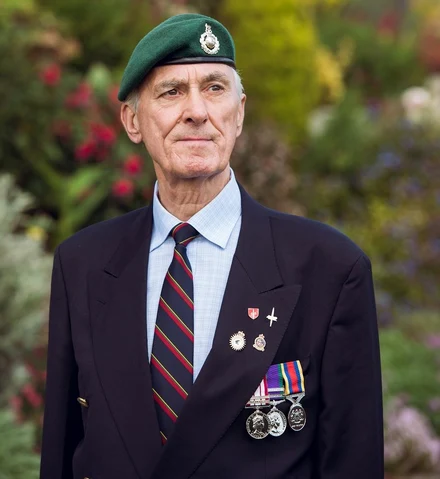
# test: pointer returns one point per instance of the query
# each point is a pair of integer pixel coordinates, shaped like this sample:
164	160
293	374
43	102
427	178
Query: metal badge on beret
209	42
258	425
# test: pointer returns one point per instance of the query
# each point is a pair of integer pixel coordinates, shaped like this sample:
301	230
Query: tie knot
183	234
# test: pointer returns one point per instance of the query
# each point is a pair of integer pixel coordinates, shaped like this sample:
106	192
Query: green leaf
82	181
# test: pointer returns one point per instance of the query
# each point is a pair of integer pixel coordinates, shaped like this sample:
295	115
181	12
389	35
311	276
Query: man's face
189	117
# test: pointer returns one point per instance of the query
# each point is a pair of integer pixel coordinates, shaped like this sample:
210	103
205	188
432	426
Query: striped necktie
173	343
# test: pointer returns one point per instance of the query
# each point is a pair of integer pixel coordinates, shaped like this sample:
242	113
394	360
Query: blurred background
343	126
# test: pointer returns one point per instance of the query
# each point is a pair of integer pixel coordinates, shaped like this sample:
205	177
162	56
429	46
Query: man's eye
216	87
172	92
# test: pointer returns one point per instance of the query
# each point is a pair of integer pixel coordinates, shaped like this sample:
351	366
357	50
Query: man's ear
240	119
130	122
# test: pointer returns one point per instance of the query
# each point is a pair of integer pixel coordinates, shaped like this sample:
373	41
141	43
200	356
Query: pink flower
34	399
103	133
80	98
85	150
433	341
122	188
133	164
51	75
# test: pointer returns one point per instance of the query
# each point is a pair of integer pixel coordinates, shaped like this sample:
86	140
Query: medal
258	424
278	421
275	390
297	417
295	391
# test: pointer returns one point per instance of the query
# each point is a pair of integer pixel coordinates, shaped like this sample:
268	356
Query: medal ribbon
260	396
274	379
293	378
281	380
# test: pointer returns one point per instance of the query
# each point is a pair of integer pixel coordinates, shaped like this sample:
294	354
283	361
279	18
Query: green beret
187	38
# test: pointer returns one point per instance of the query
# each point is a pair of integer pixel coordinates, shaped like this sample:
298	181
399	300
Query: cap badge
209	41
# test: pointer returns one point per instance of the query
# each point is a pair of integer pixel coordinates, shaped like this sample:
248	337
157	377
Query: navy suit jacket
320	285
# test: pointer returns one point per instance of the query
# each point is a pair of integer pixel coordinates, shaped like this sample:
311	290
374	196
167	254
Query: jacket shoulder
317	238
103	236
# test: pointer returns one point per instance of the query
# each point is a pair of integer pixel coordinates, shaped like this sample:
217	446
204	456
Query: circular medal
258	425
297	417
278	422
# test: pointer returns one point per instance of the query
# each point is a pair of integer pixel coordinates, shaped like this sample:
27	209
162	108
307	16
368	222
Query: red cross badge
253	313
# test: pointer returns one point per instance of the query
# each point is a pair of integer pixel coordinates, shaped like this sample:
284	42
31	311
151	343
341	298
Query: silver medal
297	417
258	425
278	422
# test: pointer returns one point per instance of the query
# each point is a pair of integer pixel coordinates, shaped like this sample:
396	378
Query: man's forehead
189	72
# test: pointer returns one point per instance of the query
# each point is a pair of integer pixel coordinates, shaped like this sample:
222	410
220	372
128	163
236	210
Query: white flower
416	102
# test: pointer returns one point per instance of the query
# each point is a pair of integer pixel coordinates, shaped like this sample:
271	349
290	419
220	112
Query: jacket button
83	403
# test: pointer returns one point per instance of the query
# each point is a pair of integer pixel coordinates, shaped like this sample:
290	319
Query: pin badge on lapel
253	313
237	341
260	343
271	317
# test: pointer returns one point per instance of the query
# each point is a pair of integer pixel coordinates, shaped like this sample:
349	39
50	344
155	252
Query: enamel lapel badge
253	313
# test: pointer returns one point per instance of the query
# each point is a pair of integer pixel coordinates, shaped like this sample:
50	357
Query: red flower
122	188
85	150
51	75
80	98
133	164
103	133
388	23
34	399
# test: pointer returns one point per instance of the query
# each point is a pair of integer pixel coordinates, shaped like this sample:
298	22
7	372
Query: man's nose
195	111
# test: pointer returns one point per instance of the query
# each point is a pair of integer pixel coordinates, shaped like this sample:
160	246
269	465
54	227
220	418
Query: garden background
343	125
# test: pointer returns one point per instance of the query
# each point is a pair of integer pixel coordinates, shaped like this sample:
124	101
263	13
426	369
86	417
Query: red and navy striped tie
173	344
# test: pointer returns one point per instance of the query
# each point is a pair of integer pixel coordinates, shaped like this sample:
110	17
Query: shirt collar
214	222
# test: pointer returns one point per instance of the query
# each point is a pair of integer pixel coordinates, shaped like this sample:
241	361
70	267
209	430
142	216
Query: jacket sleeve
62	427
350	437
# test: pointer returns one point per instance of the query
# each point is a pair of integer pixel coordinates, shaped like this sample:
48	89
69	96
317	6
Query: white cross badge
271	317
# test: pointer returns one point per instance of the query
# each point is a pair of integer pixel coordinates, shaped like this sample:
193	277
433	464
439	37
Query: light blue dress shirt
210	255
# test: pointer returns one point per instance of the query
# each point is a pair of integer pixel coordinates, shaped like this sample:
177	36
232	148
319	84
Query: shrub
24	286
17	459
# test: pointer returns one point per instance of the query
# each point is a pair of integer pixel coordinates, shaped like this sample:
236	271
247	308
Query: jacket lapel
229	378
118	308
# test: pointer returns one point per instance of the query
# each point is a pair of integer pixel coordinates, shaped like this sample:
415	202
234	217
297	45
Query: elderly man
206	336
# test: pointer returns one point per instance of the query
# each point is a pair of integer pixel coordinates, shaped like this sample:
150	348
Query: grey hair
133	97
